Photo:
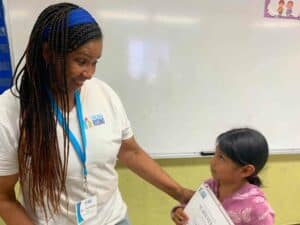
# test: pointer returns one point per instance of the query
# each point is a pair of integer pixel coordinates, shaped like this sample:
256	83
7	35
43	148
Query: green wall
148	206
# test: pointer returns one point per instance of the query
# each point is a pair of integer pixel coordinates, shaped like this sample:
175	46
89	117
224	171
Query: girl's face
81	63
290	5
226	171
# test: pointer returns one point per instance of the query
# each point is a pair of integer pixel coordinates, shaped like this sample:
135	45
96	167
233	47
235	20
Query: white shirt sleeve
119	110
124	121
8	152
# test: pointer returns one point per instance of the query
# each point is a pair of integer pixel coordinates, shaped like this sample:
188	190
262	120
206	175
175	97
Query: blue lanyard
81	152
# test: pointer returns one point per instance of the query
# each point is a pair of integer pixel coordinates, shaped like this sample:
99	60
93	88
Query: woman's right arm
11	211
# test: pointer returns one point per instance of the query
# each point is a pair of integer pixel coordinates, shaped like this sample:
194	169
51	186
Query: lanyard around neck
81	152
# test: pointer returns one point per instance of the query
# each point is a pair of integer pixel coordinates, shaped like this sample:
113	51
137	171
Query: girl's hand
178	216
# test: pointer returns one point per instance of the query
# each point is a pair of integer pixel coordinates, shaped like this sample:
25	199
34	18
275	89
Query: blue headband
79	16
75	17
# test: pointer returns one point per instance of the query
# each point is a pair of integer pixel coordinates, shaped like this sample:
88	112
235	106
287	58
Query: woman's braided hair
41	165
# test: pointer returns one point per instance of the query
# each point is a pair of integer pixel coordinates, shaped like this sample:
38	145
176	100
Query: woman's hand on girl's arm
136	159
11	211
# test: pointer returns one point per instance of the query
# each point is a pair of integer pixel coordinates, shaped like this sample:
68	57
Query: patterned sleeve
262	213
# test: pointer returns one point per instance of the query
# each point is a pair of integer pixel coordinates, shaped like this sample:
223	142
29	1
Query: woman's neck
226	190
71	102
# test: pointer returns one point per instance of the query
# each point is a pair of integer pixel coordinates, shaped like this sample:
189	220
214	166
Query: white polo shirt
106	126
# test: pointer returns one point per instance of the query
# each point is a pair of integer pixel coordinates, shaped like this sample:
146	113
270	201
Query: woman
63	130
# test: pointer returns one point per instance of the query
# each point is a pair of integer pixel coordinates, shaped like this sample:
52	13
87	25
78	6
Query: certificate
205	209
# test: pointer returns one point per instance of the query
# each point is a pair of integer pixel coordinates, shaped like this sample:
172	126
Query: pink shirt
247	206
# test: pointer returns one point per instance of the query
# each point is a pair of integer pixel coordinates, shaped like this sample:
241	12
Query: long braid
40	164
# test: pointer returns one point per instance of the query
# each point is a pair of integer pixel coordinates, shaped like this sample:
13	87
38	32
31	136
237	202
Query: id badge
86	209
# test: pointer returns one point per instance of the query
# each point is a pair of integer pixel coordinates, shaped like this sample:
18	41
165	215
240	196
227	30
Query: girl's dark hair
41	166
245	146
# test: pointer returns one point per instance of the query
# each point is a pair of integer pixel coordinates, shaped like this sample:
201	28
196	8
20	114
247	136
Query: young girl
240	155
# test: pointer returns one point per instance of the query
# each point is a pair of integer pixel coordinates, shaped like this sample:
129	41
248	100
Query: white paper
205	209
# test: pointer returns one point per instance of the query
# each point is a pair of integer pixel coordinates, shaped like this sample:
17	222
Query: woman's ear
248	170
46	53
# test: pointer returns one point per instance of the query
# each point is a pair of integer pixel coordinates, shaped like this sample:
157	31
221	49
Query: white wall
188	70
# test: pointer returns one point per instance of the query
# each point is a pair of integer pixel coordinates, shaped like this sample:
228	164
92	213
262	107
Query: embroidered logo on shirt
94	120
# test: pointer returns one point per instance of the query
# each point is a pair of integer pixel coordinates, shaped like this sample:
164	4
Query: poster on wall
5	60
282	9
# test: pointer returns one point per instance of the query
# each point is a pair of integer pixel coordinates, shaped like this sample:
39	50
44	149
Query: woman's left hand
185	195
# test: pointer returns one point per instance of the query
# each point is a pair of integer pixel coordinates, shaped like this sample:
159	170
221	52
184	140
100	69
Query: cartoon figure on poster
282	9
289	8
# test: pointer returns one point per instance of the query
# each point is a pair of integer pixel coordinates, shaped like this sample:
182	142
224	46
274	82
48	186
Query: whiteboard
188	70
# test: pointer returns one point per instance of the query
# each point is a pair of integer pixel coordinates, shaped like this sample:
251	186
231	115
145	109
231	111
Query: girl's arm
135	158
263	214
11	211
